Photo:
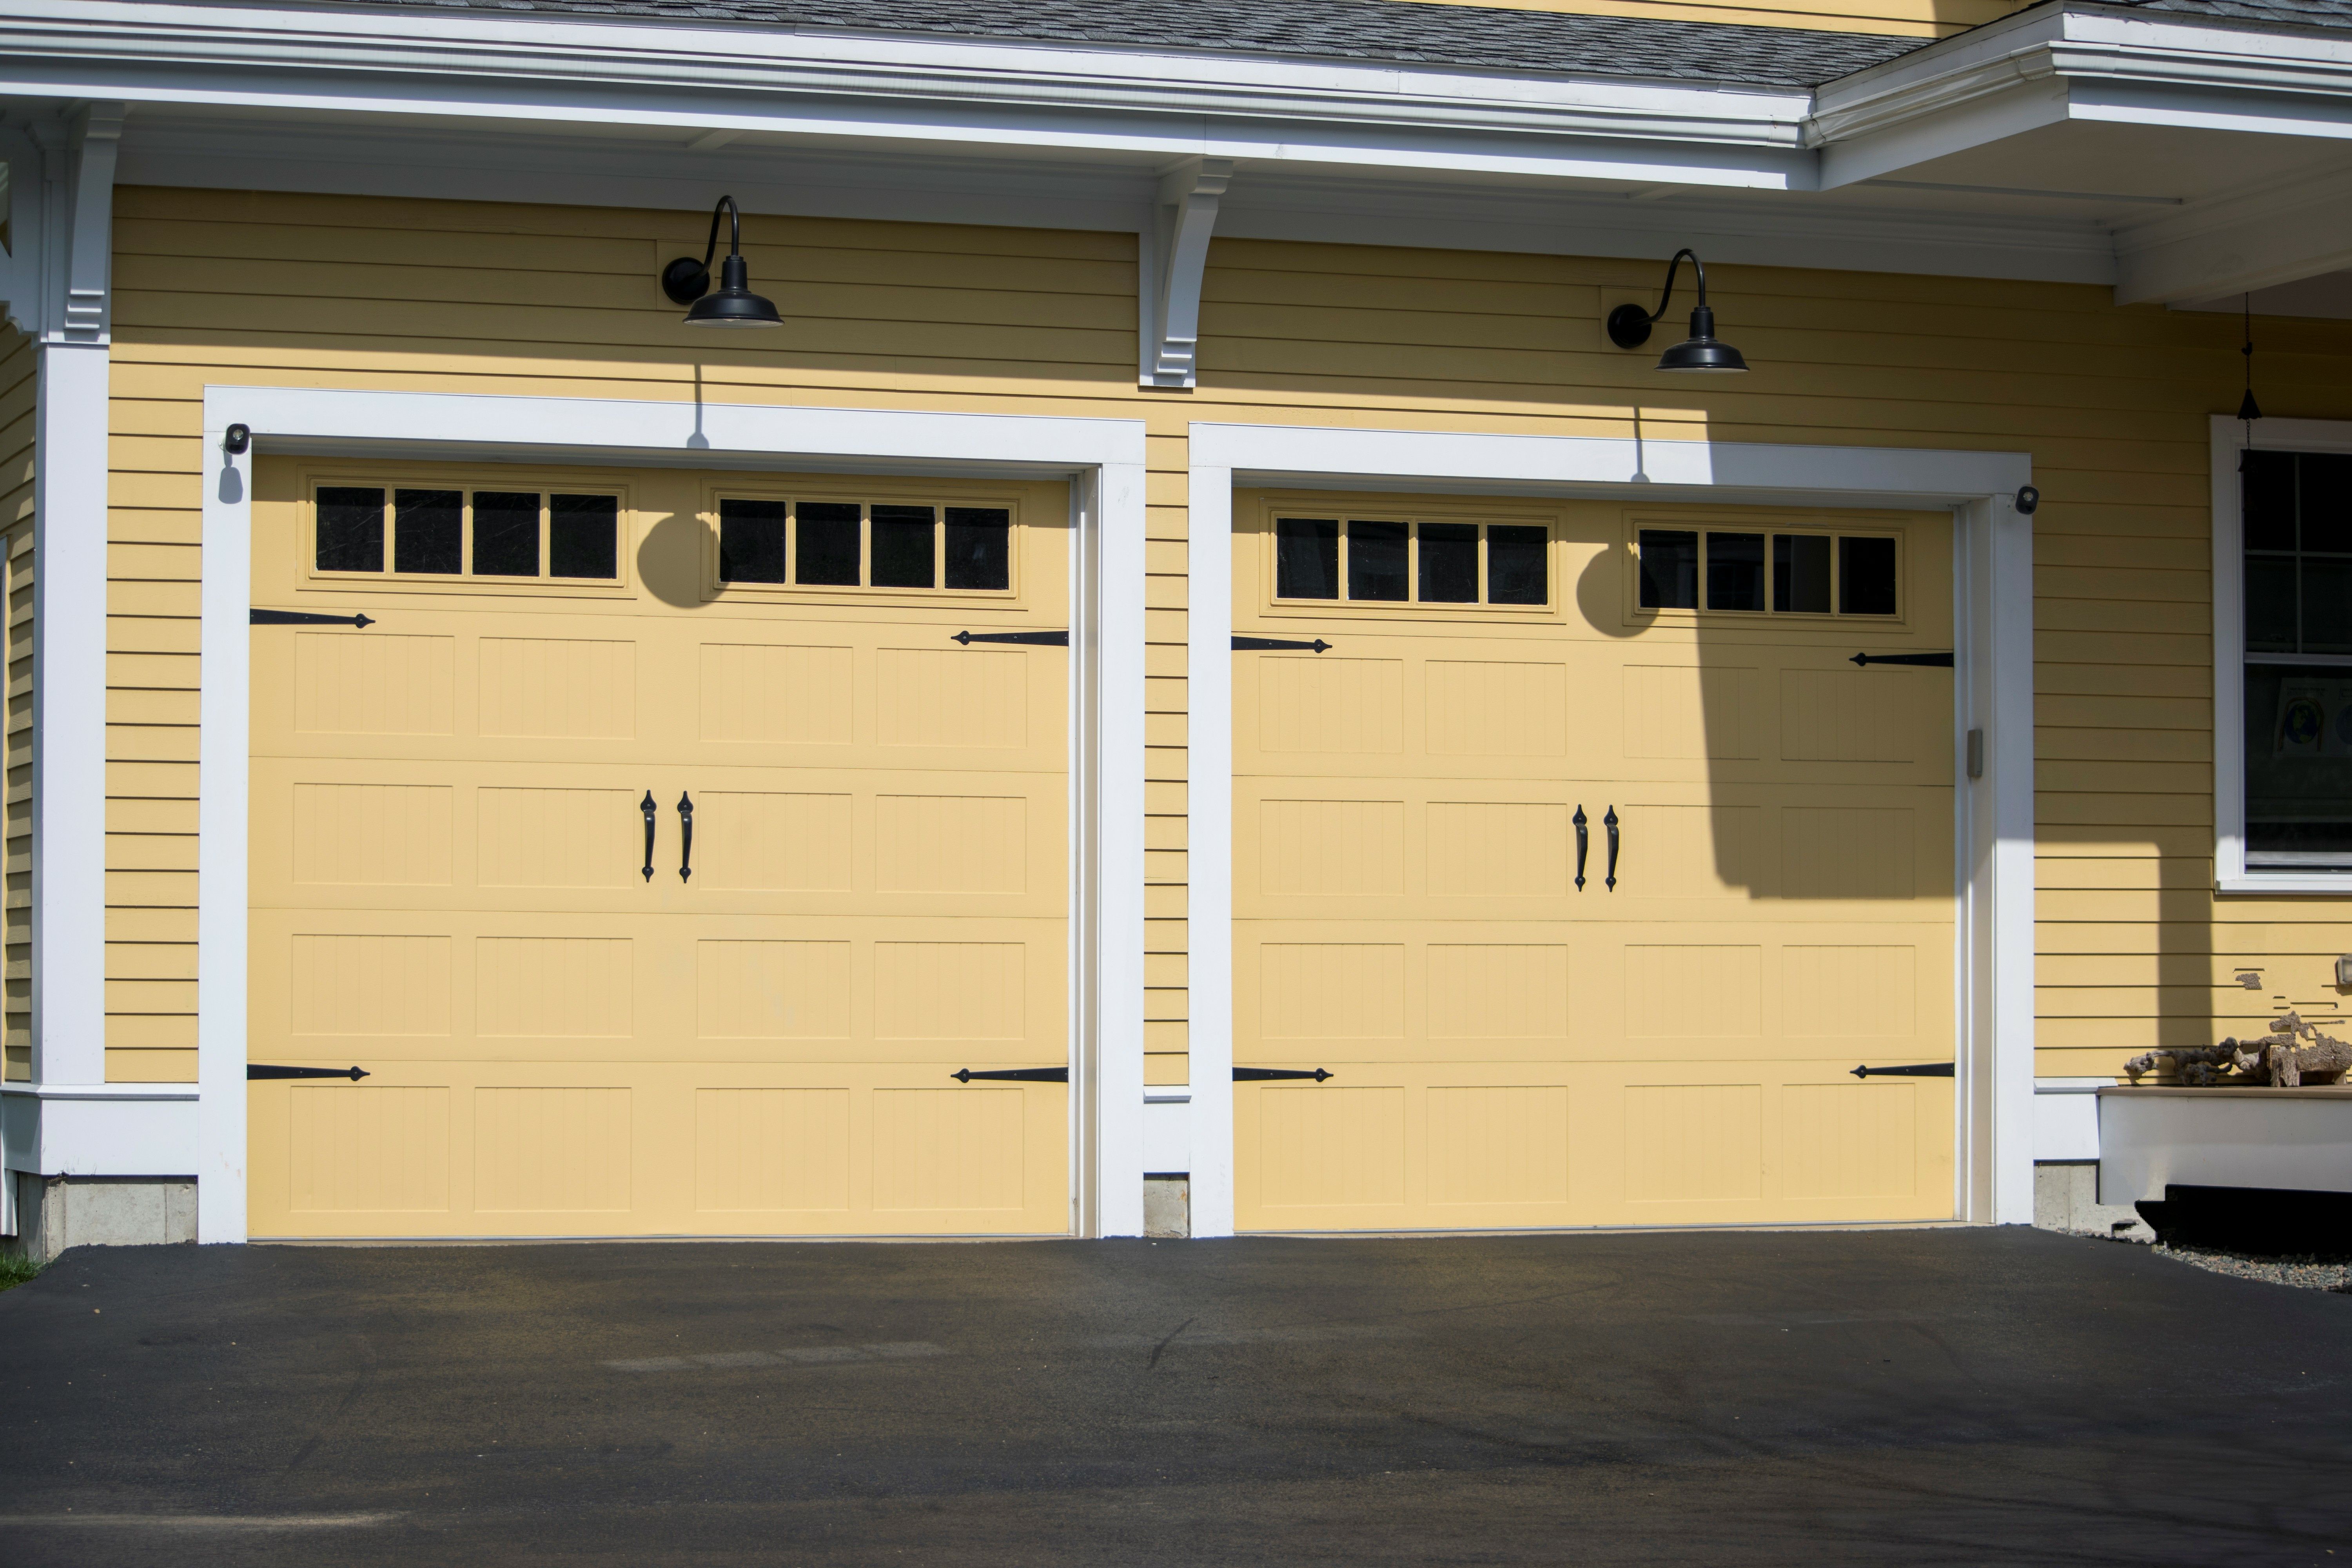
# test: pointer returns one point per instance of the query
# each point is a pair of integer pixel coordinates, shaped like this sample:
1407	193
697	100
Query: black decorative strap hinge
263	1070
1016	1075
1277	645
1932	660
1265	1075
1922	1070
306	619
1033	639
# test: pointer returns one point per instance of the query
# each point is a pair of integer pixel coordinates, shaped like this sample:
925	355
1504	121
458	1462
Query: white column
1119	702
1997	1038
1209	837
69	716
222	762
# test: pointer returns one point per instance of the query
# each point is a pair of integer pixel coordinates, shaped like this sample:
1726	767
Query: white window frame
2230	872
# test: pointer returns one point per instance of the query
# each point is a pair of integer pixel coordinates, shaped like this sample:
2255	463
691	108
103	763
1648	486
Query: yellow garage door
661	847
1521	705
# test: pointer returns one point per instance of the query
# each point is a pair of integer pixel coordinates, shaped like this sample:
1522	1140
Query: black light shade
1703	350
734	305
1629	328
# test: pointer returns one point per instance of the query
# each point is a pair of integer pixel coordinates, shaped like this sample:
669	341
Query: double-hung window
2283	625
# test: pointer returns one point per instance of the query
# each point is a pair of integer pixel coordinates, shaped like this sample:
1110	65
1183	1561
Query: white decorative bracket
56	277
1174	255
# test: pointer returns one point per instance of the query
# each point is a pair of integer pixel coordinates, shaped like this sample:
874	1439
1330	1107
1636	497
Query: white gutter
760	79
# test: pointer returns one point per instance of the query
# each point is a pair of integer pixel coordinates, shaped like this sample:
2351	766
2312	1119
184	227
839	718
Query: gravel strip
2305	1271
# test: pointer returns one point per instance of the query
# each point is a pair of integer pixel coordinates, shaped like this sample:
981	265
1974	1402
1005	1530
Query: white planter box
2292	1138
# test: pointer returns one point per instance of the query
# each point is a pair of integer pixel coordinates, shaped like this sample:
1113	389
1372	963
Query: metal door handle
651	811
1922	1070
1268	1075
1015	1075
1609	822
685	836
1583	844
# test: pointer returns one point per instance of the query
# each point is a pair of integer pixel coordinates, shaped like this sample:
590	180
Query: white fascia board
2044	67
2272	233
771	80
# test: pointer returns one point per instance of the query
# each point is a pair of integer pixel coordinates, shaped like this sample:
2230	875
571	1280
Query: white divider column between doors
224	766
1209	836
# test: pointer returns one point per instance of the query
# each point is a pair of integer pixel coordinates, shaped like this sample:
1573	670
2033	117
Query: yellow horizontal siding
1908	19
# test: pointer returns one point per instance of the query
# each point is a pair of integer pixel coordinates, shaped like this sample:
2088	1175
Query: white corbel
1174	257
55	275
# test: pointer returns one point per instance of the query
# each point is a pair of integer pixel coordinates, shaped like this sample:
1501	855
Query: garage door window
1398	562
862	544
466	533
1766	573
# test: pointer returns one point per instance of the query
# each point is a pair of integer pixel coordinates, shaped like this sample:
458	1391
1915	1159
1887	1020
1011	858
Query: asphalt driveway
1899	1397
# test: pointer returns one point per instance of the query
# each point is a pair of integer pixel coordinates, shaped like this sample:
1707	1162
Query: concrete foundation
2066	1197
1167	1207
54	1213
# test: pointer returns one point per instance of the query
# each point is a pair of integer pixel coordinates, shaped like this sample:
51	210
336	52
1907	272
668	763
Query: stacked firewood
2291	1054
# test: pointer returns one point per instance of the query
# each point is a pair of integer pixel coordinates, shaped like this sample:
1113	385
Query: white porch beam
2287	231
1175	257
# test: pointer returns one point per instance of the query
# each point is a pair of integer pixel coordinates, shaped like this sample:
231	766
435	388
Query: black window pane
1669	569
582	536
1866	577
2298	766
824	548
2326	606
750	540
1449	562
978	547
351	529
506	533
1306	558
2270	604
1516	569
2324	490
428	530
902	547
1376	561
2266	483
1801	573
1735	570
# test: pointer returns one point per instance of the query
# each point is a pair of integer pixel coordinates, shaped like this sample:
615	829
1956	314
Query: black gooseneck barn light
1629	328
687	281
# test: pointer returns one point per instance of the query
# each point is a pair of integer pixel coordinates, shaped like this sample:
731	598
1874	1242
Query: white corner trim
100	1090
1176	255
2230	875
1993	826
1104	458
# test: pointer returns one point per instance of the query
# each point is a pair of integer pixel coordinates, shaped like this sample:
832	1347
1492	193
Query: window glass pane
1866	577
1449	562
582	533
1801	573
1376	561
1669	569
2270	604
350	530
2326	606
751	541
1735	570
824	547
506	533
978	547
2298	765
428	530
1306	558
1517	569
2324	490
902	547
2266	483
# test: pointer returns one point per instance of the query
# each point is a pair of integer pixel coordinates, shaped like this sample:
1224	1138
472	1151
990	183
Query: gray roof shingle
2291	13
1403	31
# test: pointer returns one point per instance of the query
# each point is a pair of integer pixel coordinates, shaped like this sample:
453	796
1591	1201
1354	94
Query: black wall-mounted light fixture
1629	328
687	281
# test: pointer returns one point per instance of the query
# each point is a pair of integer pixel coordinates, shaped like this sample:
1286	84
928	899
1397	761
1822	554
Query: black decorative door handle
1016	1074
1609	822
685	836
1930	660
1277	645
1920	1070
265	1070
652	812
1583	844
307	618
1269	1075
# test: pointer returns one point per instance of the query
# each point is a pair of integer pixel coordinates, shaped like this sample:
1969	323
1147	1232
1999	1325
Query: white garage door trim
1102	458
1993	684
